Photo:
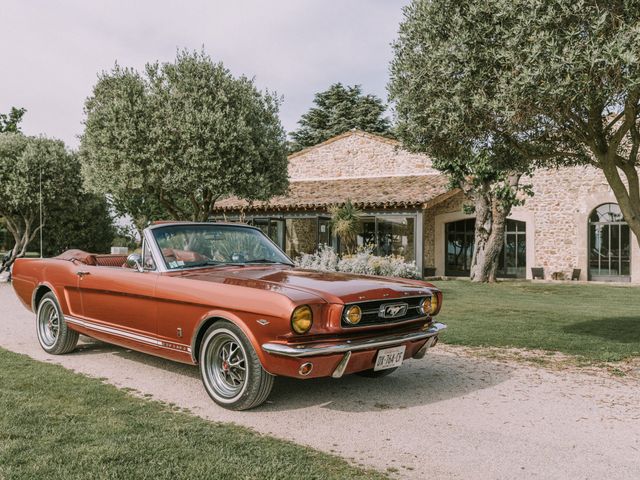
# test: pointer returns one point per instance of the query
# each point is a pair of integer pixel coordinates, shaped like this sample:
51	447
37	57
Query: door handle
82	273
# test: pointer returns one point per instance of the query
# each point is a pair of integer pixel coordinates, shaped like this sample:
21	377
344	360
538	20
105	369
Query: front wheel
54	335
231	370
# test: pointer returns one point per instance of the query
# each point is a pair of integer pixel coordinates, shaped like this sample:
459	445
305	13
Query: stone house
572	222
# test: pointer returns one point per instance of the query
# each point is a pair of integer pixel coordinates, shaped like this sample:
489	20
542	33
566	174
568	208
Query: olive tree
574	83
34	171
444	87
9	122
175	138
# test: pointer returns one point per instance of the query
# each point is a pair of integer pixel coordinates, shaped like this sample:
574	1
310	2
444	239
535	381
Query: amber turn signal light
302	319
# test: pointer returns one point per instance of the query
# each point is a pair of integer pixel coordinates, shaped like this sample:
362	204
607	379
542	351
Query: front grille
371	311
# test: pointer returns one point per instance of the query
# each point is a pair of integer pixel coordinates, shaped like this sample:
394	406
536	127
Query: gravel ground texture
451	415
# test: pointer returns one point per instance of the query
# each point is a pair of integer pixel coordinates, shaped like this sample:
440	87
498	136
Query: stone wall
301	236
556	217
562	202
356	154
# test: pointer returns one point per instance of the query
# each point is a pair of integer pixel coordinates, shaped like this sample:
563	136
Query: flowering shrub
363	262
324	259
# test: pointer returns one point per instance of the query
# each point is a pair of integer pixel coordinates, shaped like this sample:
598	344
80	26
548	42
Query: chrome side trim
128	335
351	345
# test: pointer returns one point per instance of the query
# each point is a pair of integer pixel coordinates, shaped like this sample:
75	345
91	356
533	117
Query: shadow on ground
615	329
435	378
418	382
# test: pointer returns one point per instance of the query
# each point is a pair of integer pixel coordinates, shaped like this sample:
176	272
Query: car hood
332	287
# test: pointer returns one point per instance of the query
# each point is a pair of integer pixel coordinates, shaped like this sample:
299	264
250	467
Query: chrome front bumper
351	345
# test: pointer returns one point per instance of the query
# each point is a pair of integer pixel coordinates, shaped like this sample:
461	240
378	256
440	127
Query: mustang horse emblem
393	311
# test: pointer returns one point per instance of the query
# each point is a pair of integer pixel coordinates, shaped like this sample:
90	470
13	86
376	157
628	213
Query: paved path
447	416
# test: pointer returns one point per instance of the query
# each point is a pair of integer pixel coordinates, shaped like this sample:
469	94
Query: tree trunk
627	196
491	216
22	236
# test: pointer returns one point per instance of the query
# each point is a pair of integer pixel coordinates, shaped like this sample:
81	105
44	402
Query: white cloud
52	52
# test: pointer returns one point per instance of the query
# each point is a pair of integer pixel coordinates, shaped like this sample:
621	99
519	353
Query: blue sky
52	51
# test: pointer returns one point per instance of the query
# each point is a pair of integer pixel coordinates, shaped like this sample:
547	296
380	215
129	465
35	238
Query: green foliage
84	223
174	139
23	162
574	84
9	122
336	111
443	82
126	236
345	222
56	424
554	82
72	218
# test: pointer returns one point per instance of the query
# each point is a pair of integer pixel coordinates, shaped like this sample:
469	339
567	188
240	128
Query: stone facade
301	236
357	154
556	217
562	202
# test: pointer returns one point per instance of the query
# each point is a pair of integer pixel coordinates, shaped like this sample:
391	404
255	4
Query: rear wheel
231	370
377	373
54	335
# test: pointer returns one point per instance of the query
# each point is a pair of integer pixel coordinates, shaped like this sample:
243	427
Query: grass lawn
595	322
56	424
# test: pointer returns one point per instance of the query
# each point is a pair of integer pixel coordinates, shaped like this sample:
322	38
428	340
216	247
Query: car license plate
389	357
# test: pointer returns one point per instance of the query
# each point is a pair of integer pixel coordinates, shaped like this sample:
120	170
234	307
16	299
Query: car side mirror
135	261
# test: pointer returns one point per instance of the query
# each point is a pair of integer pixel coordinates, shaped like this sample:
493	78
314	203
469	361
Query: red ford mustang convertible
225	297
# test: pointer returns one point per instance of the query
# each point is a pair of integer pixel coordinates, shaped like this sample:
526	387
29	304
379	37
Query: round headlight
434	304
353	315
302	319
426	305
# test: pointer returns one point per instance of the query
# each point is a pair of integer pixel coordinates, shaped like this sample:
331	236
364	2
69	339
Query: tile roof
375	192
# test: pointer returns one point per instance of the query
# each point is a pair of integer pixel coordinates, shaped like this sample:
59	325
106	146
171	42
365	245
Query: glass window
388	235
460	238
271	227
367	234
609	244
396	236
513	258
607	213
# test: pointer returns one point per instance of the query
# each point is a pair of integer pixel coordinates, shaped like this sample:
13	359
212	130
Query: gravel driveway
447	416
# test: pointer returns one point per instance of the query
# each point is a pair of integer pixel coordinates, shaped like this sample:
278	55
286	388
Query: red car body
166	313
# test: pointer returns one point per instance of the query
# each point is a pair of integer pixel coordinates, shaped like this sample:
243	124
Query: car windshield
189	246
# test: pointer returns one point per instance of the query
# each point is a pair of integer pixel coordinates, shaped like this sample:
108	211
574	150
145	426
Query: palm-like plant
345	222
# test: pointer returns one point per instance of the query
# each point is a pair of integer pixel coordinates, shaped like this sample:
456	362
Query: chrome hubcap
226	365
48	323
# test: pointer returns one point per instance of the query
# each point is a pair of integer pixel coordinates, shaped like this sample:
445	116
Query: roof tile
373	192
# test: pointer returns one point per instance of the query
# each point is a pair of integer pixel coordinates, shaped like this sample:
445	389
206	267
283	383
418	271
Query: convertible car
225	297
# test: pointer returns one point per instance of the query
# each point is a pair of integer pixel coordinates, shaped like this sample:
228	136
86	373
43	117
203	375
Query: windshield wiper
266	260
203	264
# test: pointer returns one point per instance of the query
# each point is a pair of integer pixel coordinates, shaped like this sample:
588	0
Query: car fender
45	284
229	317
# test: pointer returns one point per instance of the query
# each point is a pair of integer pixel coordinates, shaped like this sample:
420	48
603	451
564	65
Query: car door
119	302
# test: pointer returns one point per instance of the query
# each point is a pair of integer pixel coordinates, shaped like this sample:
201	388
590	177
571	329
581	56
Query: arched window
609	244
